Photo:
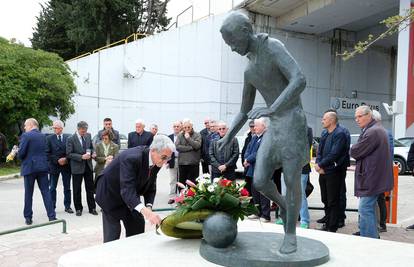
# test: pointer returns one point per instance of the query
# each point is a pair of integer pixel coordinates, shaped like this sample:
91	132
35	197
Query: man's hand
222	168
186	135
62	161
317	168
246	164
258	113
151	216
86	156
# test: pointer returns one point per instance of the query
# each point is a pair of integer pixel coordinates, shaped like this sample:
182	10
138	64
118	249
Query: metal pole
36	226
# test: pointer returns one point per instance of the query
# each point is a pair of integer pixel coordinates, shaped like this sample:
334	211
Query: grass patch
6	169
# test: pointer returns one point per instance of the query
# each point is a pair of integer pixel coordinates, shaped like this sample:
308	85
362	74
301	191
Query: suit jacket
122	182
228	155
251	152
74	152
32	153
171	162
134	139
100	156
55	150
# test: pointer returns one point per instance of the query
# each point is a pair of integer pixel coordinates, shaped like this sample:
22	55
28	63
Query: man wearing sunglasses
129	176
223	161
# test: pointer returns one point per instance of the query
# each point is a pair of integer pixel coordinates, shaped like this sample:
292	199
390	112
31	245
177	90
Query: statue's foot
289	244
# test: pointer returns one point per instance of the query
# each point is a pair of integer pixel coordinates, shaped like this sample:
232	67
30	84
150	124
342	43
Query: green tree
33	83
80	26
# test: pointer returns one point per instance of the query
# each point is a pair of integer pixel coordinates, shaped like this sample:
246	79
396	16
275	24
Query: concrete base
149	249
262	249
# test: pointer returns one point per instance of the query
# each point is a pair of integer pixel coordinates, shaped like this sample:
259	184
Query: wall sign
348	105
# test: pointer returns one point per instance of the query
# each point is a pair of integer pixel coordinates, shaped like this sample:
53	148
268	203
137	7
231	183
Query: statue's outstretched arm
249	94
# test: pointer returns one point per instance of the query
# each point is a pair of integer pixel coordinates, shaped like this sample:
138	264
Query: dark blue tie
83	143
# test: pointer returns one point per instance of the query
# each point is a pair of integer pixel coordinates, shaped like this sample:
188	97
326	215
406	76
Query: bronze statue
276	75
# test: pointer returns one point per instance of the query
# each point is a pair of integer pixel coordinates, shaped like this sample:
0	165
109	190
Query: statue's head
236	32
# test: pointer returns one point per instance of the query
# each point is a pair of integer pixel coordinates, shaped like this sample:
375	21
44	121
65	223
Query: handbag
309	188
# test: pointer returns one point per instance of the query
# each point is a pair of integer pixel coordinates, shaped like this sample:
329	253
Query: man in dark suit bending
130	175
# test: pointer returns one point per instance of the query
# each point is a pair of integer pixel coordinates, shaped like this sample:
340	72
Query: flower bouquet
197	201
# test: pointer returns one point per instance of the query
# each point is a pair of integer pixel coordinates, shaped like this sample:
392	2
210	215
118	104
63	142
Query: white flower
206	176
201	187
216	180
210	188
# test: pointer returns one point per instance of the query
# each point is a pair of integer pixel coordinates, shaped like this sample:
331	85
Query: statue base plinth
262	249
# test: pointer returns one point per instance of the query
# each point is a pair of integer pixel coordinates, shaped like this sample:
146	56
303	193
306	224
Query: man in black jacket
58	164
223	161
129	176
331	164
205	157
139	137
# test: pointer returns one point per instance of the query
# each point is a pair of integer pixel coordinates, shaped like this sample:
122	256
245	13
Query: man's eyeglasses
176	126
165	157
251	126
221	129
360	116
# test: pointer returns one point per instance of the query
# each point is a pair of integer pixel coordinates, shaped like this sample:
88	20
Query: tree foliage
70	28
393	24
33	83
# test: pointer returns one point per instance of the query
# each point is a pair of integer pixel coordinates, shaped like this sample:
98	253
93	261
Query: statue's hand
258	113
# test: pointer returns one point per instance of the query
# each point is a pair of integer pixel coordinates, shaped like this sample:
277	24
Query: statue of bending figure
276	75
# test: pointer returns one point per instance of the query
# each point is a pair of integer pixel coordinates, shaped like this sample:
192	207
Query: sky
18	17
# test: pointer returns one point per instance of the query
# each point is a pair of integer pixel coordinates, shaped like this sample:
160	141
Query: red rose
244	192
225	182
190	193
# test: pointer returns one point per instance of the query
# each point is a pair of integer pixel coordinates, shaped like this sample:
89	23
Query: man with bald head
32	153
331	164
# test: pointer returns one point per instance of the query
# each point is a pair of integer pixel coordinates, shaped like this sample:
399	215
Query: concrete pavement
43	246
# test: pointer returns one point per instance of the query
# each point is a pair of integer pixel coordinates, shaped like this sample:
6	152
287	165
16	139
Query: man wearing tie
130	175
79	150
58	164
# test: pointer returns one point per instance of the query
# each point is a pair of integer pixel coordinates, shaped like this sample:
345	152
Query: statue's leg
266	164
291	174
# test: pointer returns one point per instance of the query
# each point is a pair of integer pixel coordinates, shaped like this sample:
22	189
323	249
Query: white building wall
189	72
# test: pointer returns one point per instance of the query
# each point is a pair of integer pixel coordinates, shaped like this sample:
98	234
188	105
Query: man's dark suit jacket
134	139
55	150
32	153
126	179
171	162
74	152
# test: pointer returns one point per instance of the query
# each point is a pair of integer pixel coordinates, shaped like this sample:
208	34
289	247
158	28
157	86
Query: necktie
60	138
83	143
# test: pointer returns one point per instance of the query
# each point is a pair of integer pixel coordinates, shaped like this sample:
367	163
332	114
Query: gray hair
33	122
186	120
365	109
376	115
140	121
263	120
82	125
161	142
221	123
154	126
58	123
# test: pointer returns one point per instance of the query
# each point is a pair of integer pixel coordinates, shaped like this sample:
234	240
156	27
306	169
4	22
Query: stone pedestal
262	249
